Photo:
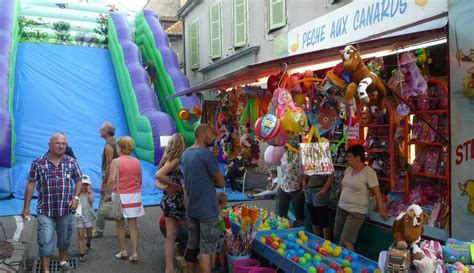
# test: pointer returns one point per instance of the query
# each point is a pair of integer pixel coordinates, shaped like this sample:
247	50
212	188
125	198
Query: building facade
222	36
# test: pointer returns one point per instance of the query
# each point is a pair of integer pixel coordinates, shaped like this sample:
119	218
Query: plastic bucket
244	265
262	270
231	259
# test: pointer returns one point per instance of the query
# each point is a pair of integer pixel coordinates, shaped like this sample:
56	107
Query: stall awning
253	72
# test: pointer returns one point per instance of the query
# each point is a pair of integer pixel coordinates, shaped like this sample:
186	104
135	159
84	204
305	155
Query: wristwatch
76	197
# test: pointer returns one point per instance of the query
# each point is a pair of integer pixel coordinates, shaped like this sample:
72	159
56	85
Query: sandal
122	255
82	258
89	249
134	258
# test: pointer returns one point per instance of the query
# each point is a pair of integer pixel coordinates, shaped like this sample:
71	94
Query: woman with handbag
169	178
125	180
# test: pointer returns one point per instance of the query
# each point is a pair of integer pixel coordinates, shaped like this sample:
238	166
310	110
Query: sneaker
97	234
64	266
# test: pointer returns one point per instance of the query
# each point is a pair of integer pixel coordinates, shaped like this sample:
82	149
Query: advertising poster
461	56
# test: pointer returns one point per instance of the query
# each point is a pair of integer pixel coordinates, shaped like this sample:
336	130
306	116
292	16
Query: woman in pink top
128	172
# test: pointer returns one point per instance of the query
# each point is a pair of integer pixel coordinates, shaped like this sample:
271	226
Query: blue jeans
47	226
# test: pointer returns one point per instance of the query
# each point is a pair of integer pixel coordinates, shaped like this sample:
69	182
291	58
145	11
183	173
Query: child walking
84	217
222	202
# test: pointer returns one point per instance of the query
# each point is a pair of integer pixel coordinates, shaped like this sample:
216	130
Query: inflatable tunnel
71	66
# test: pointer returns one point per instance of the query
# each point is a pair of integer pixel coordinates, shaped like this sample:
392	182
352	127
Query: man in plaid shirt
58	180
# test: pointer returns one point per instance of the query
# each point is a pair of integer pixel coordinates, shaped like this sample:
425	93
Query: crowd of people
190	205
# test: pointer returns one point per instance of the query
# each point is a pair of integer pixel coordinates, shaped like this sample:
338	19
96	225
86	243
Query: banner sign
359	20
461	58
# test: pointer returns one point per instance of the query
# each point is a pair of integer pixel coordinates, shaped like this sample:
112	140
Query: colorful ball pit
294	249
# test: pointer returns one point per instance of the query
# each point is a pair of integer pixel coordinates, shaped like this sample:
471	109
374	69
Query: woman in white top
358	181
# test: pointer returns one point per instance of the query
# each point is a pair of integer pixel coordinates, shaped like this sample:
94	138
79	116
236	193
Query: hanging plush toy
414	83
362	80
423	60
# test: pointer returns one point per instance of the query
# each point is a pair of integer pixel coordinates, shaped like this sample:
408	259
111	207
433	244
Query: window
240	23
194	44
276	14
215	31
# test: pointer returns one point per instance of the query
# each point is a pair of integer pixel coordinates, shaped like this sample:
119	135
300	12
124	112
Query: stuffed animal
362	80
414	83
408	228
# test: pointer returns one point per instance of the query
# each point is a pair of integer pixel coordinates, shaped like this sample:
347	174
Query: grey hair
109	128
56	135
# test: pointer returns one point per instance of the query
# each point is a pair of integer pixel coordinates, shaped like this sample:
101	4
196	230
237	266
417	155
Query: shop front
417	137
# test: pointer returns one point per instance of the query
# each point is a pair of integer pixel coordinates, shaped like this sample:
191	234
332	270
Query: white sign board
461	92
359	20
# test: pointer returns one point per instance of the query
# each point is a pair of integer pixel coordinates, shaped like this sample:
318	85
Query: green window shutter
194	45
276	14
215	31
240	23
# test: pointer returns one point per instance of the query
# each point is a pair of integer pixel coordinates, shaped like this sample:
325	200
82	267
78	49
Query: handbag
111	207
316	156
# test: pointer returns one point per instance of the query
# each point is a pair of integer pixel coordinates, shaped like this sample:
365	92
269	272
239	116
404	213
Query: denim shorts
46	228
203	235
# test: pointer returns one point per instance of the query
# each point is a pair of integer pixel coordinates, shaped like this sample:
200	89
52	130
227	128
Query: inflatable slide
73	65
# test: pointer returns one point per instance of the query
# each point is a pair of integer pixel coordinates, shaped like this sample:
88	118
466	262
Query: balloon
273	155
279	140
281	99
267	127
299	98
183	114
294	121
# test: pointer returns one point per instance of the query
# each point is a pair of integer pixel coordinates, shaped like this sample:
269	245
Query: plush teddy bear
408	228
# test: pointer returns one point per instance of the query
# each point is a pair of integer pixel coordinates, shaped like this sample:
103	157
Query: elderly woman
126	179
359	180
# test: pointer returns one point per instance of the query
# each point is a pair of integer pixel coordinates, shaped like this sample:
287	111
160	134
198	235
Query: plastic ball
294	258
281	251
302	261
349	258
262	240
312	269
334	265
291	253
324	252
183	114
321	269
347	269
332	270
317	258
377	270
307	256
283	246
346	263
300	252
299	241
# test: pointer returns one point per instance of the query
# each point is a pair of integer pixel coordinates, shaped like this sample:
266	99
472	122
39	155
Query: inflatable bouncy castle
69	66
